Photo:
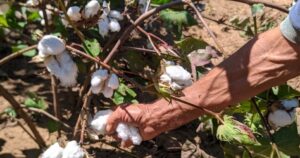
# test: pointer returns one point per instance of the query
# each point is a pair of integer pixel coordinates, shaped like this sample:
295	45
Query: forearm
265	61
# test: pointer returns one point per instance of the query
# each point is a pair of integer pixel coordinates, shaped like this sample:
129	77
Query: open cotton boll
53	66
280	118
135	136
51	45
4	8
116	15
54	151
184	83
114	25
103	26
68	76
107	92
177	72
164	78
73	150
288	104
91	9
98	123
74	13
113	81
98	80
142	5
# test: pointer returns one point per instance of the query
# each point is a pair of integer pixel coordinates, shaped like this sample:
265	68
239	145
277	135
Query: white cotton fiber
164	78
114	25
54	151
177	72
116	15
280	118
98	80
74	13
51	45
73	150
135	135
98	123
103	26
123	131
108	92
113	81
91	9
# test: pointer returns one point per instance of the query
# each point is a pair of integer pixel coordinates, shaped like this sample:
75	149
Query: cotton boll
174	86
53	66
68	76
98	80
116	15
177	72
288	104
64	21
123	131
51	45
54	151
91	9
184	83
103	26
74	13
98	123
73	150
107	92
142	5
164	78
135	136
4	8
32	2
113	81
114	25
48	12
280	118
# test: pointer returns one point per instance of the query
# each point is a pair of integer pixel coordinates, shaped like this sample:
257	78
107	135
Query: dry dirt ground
14	142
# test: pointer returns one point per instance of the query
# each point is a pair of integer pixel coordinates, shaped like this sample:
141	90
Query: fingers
113	121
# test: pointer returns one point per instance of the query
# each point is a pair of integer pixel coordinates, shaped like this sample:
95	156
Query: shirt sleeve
289	27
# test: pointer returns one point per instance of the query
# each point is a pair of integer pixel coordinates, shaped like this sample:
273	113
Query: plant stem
16	54
56	105
23	114
85	110
255	25
268	4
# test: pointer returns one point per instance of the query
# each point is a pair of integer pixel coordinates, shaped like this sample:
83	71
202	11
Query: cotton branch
268	4
16	54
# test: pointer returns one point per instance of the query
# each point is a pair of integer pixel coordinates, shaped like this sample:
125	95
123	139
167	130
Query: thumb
112	122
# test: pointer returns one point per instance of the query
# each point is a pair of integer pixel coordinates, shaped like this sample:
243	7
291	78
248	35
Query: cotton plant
72	150
284	116
124	131
175	77
57	60
103	82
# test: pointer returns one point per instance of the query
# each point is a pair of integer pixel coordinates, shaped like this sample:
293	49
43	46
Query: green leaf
160	2
130	92
11	112
124	95
52	126
118	98
30	53
285	92
34	101
177	18
190	44
92	46
257	9
3	21
33	16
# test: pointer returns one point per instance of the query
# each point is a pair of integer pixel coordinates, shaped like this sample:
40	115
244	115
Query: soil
15	142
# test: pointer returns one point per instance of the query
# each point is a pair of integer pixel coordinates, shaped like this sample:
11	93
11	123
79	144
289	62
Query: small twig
125	151
138	49
191	4
268	4
143	17
16	54
23	114
49	116
56	105
43	4
214	114
266	125
255	25
85	110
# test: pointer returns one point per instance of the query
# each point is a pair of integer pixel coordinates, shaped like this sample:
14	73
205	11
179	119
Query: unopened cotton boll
73	150
103	26
288	104
114	25
98	123
51	45
116	15
113	81
54	151
177	72
280	118
91	9
74	13
107	92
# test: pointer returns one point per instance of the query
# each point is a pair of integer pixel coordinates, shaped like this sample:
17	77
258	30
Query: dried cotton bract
74	13
125	132
54	151
91	9
73	150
